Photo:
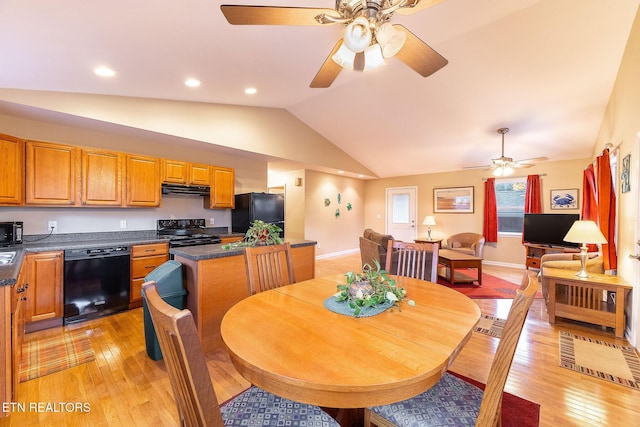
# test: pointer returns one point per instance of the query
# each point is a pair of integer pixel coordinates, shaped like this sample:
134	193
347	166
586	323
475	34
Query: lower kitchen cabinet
144	259
44	305
12	300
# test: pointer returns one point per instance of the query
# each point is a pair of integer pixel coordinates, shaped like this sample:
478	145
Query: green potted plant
259	233
370	288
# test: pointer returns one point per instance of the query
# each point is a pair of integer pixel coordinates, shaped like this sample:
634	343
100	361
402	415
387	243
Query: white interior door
402	213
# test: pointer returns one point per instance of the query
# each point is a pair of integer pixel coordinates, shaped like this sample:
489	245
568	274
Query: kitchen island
215	280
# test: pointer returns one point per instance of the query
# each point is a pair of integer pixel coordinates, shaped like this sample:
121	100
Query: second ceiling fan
503	166
369	37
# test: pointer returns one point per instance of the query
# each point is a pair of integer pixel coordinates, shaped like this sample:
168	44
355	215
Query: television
548	229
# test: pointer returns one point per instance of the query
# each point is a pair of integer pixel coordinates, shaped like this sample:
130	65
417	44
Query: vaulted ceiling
543	68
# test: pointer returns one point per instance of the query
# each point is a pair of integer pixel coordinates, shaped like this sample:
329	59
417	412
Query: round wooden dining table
287	342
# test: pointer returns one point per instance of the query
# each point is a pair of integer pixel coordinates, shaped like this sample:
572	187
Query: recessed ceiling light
250	90
192	82
104	72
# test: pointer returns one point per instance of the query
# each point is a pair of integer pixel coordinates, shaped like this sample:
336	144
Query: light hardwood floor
124	387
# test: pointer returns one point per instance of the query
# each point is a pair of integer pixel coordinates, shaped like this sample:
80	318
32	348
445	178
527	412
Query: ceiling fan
504	166
369	38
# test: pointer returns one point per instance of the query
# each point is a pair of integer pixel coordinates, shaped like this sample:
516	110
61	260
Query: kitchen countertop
9	273
204	252
61	242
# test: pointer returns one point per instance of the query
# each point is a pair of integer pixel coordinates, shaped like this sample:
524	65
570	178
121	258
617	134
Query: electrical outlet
212	221
52	226
123	223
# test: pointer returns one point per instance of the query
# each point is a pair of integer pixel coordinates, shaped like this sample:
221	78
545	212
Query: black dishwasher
96	282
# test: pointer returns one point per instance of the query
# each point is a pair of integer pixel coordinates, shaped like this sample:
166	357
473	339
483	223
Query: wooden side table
438	241
577	298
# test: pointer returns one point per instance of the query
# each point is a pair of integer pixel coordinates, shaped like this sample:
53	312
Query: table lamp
584	232
429	220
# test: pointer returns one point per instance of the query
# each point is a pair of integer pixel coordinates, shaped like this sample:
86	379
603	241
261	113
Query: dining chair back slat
268	267
417	260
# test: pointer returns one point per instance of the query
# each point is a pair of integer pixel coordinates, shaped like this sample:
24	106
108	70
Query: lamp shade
585	232
373	57
429	220
344	57
390	39
503	170
357	35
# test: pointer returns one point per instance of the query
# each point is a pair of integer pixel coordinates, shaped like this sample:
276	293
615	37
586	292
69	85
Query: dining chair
453	401
268	267
192	386
417	260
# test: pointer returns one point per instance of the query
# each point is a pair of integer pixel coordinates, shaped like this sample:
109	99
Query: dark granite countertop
55	242
204	252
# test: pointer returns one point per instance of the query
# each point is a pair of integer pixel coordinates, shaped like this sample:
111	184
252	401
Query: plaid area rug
490	325
600	359
54	354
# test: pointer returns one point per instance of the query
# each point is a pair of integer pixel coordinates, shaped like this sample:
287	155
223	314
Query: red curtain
589	200
606	199
532	199
490	228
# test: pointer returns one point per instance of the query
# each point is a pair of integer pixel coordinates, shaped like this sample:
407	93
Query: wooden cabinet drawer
149	250
143	266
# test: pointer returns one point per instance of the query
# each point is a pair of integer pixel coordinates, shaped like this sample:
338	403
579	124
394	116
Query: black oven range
185	232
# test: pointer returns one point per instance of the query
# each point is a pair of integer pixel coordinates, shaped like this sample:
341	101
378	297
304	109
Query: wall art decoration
453	200
625	184
564	199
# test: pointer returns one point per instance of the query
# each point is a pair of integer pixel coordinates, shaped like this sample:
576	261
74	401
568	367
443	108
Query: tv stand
535	252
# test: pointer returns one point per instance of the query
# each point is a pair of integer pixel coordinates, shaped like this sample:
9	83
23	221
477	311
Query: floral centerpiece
259	233
371	288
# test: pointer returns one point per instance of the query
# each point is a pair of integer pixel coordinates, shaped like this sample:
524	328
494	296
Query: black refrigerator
263	206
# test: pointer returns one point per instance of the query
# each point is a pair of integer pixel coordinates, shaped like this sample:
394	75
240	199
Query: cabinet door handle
637	256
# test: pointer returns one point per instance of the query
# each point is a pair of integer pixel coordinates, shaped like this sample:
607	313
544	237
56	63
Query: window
510	195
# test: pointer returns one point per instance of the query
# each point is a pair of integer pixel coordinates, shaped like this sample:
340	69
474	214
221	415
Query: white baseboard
337	254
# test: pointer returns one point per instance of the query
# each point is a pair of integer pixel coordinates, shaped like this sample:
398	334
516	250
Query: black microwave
10	233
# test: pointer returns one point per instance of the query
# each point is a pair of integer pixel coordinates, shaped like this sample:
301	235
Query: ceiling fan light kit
368	38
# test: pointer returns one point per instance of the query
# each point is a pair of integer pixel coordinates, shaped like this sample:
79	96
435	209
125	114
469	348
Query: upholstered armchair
468	243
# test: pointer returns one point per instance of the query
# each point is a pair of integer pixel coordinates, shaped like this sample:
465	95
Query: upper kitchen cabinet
11	171
143	181
222	188
51	172
179	172
102	174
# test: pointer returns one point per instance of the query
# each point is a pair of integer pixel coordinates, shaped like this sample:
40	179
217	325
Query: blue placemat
342	307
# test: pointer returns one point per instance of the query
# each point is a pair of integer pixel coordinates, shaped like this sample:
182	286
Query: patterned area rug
600	359
492	287
54	354
490	325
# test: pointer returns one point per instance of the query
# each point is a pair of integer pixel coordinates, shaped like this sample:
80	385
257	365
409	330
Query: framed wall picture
625	185
564	199
453	200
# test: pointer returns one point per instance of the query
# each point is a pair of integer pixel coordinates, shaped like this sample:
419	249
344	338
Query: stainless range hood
193	190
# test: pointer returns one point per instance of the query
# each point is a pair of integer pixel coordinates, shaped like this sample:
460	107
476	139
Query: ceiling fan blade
273	15
414	6
484	167
532	160
418	55
329	70
516	165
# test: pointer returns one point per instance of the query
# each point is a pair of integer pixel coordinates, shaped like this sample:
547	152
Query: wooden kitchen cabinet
44	305
51	174
144	259
143	181
11	171
19	299
102	173
222	188
179	172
